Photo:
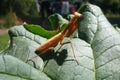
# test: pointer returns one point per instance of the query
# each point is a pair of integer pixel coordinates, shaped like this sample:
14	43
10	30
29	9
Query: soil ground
3	31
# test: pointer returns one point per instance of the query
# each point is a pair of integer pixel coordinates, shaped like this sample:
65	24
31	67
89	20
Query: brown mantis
53	41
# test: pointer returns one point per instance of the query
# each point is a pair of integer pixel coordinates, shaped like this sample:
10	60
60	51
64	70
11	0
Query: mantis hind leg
74	55
40	53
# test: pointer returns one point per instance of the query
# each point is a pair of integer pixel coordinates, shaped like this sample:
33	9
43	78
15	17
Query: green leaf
12	68
104	40
57	20
97	50
23	44
38	30
14	60
82	8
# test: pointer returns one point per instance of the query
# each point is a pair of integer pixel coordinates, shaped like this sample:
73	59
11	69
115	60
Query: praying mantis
53	41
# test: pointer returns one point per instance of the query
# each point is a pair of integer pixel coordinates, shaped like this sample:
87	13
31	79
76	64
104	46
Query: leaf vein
106	50
107	62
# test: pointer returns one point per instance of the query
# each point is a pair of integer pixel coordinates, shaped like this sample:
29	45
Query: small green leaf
57	20
38	30
82	8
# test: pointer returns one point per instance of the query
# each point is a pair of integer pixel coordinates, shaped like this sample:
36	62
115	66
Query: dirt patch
3	31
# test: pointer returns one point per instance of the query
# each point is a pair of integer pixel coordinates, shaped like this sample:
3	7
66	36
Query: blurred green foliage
7	20
108	6
4	39
27	8
10	8
20	7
